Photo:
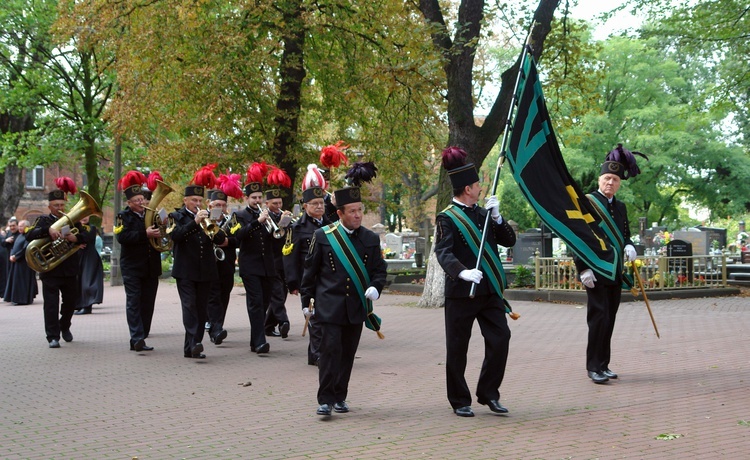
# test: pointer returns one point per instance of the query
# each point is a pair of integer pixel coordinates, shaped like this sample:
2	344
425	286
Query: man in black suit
343	296
61	281
276	311
140	265
257	264
312	219
218	299
194	266
603	295
459	230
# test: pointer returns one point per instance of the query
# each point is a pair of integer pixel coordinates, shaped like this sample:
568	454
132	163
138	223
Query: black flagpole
501	160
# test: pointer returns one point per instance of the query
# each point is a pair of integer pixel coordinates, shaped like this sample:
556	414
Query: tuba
151	218
43	255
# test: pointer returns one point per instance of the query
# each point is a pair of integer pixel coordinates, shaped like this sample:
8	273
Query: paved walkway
94	399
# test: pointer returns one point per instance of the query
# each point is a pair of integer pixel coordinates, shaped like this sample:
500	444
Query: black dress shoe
609	374
147	348
324	409
272	333
196	350
284	329
219	337
265	348
83	311
67	336
139	344
200	356
598	377
341	407
312	362
496	407
54	343
464	411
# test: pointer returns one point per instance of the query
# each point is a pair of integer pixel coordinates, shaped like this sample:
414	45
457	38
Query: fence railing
657	272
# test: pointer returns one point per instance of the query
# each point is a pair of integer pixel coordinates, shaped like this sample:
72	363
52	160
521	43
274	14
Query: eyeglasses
316	205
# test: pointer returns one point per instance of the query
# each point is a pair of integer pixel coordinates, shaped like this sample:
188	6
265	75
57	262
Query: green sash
491	264
615	235
355	268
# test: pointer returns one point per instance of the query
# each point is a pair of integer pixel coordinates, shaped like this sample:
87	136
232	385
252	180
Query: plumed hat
132	183
217	195
460	173
255	174
203	179
229	184
277	179
64	186
621	162
358	174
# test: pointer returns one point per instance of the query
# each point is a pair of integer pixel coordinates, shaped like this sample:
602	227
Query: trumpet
229	222
271	226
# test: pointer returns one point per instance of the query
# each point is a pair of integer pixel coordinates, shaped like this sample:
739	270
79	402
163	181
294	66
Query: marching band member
276	310
61	281
194	261
313	218
140	262
257	265
218	299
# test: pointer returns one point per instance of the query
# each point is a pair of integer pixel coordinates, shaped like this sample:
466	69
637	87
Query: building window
35	178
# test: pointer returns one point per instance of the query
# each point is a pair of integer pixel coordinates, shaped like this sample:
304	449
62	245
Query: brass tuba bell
162	243
43	255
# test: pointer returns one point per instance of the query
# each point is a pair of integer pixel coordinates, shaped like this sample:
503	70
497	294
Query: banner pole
501	159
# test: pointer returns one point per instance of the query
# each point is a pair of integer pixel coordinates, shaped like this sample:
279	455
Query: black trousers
276	311
316	336
57	317
337	351
194	299
218	301
601	310
460	314
140	296
257	291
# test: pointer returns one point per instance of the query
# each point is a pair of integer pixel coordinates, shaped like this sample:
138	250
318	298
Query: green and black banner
540	171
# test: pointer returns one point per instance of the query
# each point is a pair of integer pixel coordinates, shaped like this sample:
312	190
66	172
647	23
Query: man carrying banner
459	230
604	294
344	273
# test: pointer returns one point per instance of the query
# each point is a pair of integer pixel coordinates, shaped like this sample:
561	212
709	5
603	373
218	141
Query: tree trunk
433	294
11	186
477	141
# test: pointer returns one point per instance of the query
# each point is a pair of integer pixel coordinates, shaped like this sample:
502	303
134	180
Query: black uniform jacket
194	258
326	280
454	255
294	263
71	265
256	245
619	214
137	256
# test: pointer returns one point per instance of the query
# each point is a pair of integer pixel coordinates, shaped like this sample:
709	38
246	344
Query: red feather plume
278	177
152	178
66	184
256	172
454	157
205	176
331	156
230	185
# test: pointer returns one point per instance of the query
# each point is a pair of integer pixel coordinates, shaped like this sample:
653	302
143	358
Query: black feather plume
627	158
360	172
454	157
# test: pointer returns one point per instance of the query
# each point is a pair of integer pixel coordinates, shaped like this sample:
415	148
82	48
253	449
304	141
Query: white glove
587	278
493	206
306	311
473	275
372	293
630	253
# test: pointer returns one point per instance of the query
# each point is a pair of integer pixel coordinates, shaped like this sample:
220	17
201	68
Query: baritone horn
43	255
161	243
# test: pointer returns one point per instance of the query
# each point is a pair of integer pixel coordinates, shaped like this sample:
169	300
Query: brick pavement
94	399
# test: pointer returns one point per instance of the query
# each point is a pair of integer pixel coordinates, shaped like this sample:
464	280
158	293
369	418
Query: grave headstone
394	243
683	266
